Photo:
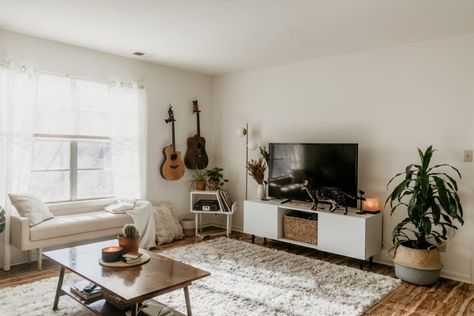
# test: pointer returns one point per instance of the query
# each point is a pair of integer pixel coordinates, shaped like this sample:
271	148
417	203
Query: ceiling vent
138	54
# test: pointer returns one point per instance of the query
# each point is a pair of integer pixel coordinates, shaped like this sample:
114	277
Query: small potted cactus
129	239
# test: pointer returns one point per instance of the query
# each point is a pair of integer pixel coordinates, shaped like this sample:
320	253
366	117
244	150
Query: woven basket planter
417	266
300	229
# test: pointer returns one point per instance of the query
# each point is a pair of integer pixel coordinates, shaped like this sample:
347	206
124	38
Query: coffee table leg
134	309
58	289
188	301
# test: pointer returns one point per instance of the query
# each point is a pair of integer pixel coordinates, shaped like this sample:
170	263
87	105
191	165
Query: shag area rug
246	279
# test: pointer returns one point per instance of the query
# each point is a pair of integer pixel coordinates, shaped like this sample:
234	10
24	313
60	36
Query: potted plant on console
429	196
130	239
199	180
256	169
215	178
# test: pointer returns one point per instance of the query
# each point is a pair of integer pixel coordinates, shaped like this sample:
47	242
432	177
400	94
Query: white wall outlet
468	155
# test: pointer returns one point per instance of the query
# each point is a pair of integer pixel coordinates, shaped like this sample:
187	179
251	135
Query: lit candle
112	253
371	205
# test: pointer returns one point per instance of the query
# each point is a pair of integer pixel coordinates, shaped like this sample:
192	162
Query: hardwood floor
447	298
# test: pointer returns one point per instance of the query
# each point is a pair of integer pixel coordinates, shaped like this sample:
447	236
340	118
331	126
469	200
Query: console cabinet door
261	219
340	234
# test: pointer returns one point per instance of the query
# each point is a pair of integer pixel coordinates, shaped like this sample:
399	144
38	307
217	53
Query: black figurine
361	198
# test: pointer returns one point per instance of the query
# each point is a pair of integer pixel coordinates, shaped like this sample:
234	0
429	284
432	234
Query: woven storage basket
300	229
115	300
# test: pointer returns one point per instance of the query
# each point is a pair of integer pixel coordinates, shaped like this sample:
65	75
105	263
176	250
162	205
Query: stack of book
86	290
132	257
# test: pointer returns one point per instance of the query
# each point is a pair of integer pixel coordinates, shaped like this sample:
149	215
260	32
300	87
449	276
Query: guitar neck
173	138
198	126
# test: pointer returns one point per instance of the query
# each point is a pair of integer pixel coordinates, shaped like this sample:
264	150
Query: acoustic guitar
172	167
196	156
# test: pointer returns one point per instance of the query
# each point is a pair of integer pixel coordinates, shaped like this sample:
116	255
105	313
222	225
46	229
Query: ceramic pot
200	185
214	185
128	244
417	266
261	192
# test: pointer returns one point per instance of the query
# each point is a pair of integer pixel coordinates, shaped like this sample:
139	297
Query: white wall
389	100
164	85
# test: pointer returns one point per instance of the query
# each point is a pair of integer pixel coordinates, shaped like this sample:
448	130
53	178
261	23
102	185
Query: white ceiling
219	36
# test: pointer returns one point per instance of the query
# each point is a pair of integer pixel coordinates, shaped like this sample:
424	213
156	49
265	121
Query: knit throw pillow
167	225
28	205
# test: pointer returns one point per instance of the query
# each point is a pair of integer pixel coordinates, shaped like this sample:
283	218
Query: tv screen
323	165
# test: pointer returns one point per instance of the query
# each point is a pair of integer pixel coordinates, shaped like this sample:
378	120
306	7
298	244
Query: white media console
353	235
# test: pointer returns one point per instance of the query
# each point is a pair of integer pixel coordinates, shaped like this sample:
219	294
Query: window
71	168
65	166
78	126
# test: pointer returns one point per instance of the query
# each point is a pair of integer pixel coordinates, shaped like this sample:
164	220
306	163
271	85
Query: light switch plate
468	156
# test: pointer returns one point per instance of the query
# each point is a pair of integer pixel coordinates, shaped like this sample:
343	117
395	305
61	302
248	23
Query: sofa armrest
20	231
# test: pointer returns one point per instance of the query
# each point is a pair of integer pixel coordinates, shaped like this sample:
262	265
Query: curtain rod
71	76
140	85
24	68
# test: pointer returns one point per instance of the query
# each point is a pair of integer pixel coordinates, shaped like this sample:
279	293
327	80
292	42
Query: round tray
122	264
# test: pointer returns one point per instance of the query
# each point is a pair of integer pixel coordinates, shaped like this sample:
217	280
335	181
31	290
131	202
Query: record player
207	205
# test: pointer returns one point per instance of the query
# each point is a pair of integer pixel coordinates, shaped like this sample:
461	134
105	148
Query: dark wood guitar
196	156
172	167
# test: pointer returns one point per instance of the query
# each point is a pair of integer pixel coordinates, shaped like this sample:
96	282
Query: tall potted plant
428	195
2	219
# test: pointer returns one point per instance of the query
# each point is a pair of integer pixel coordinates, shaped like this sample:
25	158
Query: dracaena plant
2	219
429	196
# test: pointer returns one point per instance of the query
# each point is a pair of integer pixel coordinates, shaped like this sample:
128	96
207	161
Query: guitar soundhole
199	146
174	157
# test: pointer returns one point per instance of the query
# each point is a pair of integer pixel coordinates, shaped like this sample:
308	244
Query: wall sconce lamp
244	132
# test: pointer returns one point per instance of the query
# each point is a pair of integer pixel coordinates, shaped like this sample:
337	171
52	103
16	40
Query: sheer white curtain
127	102
34	103
18	92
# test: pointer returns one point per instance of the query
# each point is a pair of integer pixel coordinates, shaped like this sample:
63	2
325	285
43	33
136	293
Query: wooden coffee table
134	285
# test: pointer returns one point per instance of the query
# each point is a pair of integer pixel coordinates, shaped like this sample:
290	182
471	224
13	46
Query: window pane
94	184
50	154
50	186
93	154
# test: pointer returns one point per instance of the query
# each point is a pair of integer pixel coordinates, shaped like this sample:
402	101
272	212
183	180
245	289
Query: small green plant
215	178
199	176
130	231
2	219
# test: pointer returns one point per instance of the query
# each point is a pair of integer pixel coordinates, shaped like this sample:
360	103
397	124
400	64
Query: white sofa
70	224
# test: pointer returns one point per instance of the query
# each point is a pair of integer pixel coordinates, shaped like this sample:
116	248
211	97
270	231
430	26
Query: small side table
210	195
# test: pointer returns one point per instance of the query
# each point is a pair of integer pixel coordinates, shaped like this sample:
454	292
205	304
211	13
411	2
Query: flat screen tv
323	165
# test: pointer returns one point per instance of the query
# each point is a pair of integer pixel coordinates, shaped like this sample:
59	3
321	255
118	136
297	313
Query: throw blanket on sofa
142	214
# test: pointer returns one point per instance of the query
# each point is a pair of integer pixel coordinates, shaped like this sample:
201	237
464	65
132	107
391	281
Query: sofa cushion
66	225
167	225
28	205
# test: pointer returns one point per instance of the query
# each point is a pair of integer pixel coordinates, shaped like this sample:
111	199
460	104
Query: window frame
73	166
